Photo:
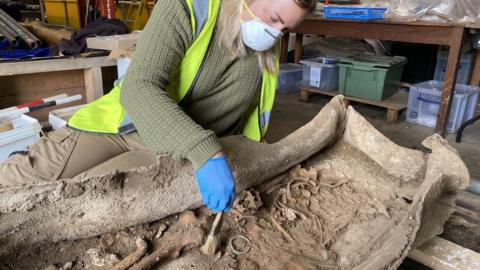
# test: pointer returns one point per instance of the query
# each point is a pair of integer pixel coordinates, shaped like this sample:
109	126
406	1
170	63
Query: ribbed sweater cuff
203	151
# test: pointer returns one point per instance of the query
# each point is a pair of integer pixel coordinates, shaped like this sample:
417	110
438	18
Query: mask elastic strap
248	9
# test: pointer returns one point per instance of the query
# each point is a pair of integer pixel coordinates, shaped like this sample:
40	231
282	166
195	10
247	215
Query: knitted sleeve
162	125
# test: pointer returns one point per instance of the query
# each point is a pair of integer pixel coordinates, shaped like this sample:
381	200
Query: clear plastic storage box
424	104
321	73
289	78
465	67
25	133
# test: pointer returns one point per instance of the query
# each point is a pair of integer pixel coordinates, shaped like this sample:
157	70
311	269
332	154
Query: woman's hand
216	183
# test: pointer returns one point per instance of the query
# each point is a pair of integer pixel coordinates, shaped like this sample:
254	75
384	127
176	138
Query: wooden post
304	95
284	48
450	79
392	116
476	71
93	83
298	47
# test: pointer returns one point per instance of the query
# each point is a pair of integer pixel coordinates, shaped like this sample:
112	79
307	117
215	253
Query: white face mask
258	35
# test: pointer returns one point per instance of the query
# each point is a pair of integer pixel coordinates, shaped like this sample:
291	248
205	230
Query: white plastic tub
424	104
25	133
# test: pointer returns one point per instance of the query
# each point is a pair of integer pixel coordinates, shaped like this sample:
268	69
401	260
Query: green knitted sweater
214	108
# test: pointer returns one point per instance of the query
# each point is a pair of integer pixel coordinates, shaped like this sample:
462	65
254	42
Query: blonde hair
231	37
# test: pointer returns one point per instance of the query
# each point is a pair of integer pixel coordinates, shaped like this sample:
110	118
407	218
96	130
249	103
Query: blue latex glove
216	184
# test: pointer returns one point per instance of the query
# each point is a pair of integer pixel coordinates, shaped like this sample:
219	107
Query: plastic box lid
371	60
437	86
320	62
290	67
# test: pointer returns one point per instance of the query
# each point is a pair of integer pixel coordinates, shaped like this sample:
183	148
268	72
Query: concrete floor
289	114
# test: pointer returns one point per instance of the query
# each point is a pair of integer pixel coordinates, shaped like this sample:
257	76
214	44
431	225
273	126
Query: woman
203	69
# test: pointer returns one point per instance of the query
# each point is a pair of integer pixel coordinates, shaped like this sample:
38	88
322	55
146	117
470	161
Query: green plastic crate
370	76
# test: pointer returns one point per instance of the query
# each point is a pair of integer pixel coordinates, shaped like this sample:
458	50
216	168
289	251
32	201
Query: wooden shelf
394	104
24	81
40	66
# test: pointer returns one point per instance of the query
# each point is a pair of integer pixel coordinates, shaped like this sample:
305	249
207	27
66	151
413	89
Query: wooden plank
476	71
24	88
391	31
26	67
40	84
93	83
393	22
396	102
441	254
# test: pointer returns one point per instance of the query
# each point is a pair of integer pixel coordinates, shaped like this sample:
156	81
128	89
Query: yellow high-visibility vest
106	115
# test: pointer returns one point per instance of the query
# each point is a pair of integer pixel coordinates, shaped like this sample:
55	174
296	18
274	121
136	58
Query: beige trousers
65	153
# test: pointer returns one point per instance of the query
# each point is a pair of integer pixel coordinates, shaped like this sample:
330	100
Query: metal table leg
464	125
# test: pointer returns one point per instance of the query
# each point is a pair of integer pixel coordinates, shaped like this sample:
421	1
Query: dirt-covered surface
323	216
362	203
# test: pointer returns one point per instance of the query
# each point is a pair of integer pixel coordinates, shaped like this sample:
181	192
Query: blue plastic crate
354	13
4	45
24	53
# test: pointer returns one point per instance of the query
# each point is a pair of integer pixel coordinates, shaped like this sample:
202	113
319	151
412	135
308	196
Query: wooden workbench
25	81
413	32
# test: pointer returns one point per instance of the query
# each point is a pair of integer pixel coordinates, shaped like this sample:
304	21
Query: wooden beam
441	254
284	48
449	80
298	47
392	116
27	67
93	83
424	33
